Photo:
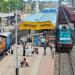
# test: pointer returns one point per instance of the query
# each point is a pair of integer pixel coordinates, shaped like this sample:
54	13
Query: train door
8	41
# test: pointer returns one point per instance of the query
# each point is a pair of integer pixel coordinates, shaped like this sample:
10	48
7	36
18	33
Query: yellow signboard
36	25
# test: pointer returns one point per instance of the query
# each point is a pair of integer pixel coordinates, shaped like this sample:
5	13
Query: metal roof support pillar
17	58
37	6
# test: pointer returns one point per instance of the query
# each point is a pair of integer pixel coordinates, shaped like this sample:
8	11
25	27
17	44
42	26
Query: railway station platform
39	64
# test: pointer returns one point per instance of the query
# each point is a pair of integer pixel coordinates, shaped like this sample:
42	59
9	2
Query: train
6	40
64	38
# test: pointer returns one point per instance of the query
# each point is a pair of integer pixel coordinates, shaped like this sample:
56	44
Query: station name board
36	25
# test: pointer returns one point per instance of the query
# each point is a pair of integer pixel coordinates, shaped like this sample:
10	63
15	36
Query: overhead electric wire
67	19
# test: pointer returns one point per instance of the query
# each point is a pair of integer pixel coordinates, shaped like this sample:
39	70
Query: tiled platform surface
39	64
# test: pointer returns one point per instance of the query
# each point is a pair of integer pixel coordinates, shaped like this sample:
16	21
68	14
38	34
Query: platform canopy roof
6	14
35	21
49	10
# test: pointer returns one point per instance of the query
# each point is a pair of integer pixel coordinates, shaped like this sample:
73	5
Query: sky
43	0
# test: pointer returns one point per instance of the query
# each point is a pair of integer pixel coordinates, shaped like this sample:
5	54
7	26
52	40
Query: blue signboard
36	40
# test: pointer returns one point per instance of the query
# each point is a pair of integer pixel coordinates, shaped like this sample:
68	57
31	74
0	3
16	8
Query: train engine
64	41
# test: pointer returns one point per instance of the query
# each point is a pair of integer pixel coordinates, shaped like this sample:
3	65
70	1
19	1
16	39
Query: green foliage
33	5
11	5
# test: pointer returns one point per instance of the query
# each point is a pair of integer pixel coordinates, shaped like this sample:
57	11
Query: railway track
63	64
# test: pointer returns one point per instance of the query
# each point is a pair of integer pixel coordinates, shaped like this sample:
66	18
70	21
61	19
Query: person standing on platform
12	48
53	50
29	50
43	43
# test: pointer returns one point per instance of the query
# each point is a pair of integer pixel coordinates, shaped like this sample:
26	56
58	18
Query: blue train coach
8	41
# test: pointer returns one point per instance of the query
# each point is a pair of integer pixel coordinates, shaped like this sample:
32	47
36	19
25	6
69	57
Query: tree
5	5
33	5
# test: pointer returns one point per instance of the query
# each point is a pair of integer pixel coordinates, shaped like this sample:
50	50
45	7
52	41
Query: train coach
5	41
64	41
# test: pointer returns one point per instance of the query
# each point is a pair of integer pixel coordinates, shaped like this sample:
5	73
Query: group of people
32	49
42	41
24	61
45	43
